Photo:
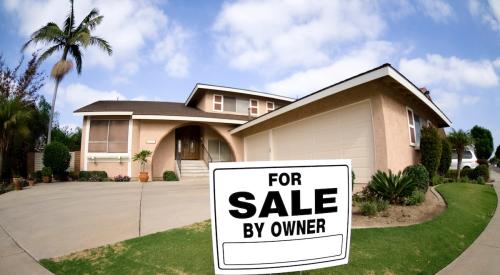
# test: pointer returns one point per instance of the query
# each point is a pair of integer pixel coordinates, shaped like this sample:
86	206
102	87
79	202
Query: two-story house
373	118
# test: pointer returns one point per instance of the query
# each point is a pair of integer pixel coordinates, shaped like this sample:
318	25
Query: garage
343	133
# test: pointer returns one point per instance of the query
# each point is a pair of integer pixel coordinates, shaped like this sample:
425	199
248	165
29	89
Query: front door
188	142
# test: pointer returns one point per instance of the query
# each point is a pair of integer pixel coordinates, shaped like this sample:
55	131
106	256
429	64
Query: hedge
169	176
430	149
445	162
92	176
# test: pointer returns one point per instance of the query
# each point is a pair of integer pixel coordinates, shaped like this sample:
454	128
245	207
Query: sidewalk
14	260
483	256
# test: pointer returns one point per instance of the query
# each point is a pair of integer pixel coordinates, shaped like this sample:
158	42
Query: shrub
57	157
480	171
382	205
46	172
480	180
430	149
92	175
445	161
417	197
418	173
121	178
466	172
483	142
73	175
391	187
437	180
368	208
169	176
37	175
451	174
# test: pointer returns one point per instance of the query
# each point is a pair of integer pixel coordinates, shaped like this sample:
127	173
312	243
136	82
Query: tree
430	148
69	137
445	162
483	142
69	39
459	140
497	152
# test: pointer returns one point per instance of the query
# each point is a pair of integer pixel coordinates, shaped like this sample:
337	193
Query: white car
468	160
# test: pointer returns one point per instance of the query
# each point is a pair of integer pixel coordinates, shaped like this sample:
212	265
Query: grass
419	249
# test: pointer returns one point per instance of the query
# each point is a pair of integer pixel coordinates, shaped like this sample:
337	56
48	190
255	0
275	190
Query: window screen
229	104
108	136
242	106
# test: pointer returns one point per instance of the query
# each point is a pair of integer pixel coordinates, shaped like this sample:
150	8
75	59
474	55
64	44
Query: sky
163	48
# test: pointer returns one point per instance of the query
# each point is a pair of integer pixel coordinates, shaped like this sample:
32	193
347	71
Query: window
242	106
254	107
229	104
467	154
411	126
270	106
108	136
218	100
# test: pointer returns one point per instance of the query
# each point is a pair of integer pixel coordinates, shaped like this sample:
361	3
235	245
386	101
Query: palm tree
14	118
70	39
459	140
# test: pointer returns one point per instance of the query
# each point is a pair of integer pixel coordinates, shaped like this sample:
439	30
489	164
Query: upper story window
218	101
254	107
229	104
108	136
270	106
415	127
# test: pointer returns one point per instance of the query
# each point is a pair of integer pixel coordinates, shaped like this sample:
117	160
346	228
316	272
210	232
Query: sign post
280	216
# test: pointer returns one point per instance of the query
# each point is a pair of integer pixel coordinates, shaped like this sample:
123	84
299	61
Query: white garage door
344	133
257	147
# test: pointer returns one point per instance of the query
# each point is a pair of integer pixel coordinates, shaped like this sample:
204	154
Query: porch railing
179	162
205	154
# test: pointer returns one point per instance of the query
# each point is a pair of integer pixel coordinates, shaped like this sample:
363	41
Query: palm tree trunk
459	164
52	110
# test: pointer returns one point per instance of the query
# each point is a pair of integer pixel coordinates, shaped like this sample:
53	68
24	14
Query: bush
483	142
430	149
121	178
480	171
466	172
418	173
46	172
480	180
368	208
169	176
92	175
73	175
382	205
437	180
57	157
417	197
445	161
37	175
391	187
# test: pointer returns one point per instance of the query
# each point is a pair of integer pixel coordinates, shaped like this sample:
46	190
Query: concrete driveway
51	220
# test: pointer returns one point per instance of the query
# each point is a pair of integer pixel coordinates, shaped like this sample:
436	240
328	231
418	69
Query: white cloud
488	12
172	50
372	54
451	102
438	10
256	35
449	72
130	26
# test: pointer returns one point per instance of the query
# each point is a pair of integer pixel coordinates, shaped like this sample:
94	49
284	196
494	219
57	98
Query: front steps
193	168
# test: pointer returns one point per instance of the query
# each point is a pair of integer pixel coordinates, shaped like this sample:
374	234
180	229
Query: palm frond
47	53
74	50
50	33
101	43
69	22
91	20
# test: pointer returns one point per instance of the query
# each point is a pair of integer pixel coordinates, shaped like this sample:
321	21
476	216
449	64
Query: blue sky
163	48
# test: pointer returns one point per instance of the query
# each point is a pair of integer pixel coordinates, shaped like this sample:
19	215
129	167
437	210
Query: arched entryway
190	141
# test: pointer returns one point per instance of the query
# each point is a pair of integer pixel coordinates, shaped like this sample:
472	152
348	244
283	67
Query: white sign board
280	216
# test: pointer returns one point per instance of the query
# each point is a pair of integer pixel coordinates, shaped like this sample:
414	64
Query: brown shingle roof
153	108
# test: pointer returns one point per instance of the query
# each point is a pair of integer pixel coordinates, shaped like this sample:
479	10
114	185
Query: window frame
267	106
250	107
221	103
410	126
89	142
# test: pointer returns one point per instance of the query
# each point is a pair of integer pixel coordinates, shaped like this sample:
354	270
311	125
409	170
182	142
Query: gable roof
201	86
375	73
156	110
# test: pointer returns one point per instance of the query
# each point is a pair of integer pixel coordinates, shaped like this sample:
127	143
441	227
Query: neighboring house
373	118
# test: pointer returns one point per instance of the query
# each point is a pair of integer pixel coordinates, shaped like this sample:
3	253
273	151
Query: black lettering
287	178
259	228
301	227
272	178
296	178
320	200
247	230
320	226
289	227
273	229
310	226
296	210
235	201
280	209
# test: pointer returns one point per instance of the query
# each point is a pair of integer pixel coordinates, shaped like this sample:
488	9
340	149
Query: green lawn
419	249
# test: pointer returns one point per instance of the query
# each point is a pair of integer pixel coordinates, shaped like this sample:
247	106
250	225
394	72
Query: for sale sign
280	216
